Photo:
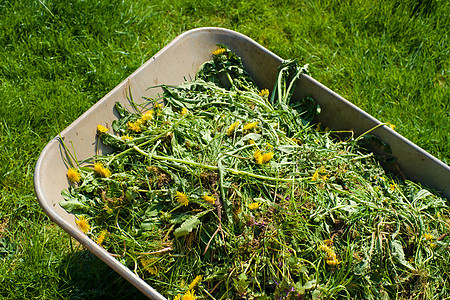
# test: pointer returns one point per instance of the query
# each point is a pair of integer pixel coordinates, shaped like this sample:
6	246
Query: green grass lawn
58	58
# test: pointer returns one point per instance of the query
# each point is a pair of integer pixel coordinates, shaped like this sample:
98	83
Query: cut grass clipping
225	191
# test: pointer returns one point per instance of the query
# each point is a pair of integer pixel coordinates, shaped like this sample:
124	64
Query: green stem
370	130
210	167
146	142
222	190
70	162
230	79
262	103
262	177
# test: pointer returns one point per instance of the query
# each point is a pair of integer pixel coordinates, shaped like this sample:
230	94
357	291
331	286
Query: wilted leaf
399	254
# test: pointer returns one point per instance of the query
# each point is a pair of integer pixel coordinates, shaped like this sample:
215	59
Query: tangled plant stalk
224	191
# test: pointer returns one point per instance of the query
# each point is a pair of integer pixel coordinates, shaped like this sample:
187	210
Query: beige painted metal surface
178	61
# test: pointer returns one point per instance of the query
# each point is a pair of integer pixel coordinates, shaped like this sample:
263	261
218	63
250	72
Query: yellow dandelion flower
184	111
83	224
331	258
428	236
101	170
190	295
73	175
251	142
332	262
266	157
147	116
250	126
134	126
237	210
177	297
209	199
140	122
392	187
147	263
105	172
101	129
98	167
331	254
126	138
328	242
219	51
297	141
152	270
182	198
264	93
258	157
315	176
324	248
254	205
101	237
195	282
391	125
232	128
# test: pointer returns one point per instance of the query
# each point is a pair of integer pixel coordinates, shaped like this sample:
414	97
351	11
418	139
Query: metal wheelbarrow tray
179	60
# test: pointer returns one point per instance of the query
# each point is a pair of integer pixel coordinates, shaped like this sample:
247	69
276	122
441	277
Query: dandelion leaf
398	254
73	203
187	226
147	226
206	136
421	194
113	141
242	283
361	268
247	137
121	110
302	288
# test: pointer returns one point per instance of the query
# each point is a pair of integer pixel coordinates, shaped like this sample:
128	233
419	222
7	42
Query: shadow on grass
84	276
